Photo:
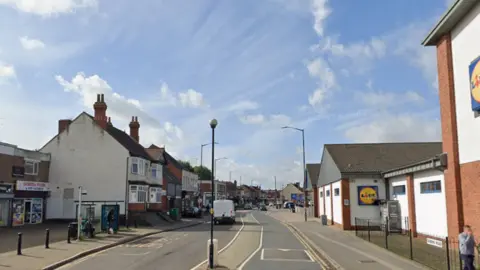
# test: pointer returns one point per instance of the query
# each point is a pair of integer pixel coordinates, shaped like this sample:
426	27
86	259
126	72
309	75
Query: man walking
466	242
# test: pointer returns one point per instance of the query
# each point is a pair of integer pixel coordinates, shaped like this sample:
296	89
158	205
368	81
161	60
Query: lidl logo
474	69
367	195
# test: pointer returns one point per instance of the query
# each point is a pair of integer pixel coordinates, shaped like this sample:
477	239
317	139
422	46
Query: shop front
6	197
28	205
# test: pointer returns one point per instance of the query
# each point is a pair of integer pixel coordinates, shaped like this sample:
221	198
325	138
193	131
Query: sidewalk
346	250
39	257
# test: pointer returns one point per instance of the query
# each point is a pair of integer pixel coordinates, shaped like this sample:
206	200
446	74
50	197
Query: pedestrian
110	218
466	241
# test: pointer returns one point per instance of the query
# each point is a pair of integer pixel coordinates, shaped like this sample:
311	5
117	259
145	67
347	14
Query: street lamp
213	125
305	180
201	162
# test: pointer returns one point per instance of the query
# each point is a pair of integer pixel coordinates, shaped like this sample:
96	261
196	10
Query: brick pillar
412	216
446	93
315	202
345	192
331	202
323	198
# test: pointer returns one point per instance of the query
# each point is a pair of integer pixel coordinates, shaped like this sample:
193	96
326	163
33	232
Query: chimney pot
100	108
134	129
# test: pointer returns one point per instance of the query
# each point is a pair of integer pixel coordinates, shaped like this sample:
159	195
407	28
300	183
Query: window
399	190
139	166
154	171
328	193
134	165
321	194
336	192
431	187
31	167
138	194
155	195
145	168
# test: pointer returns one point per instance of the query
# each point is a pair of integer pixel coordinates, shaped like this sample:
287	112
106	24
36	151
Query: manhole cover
367	261
271	254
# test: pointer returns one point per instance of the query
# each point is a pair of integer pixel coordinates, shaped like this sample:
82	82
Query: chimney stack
63	125
100	108
134	127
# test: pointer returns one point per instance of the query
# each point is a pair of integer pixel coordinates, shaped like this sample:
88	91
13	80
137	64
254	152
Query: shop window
328	193
31	167
399	190
336	192
431	187
138	194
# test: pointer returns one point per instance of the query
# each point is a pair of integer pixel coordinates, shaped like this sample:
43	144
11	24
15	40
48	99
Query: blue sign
110	213
474	70
294	197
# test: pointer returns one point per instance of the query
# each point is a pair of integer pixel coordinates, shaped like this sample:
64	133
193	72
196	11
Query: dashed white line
260	244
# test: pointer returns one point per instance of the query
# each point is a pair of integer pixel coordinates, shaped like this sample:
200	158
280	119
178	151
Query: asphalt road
176	250
278	249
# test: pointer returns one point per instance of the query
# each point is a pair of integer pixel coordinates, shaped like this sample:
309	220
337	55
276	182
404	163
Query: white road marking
253	253
309	255
137	254
225	247
261	254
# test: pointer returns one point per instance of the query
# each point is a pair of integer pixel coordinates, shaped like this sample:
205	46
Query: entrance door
28	211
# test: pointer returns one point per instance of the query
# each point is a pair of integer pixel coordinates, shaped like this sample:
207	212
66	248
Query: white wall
365	211
328	203
7	149
189	181
402	199
320	202
337	203
465	49
85	155
430	208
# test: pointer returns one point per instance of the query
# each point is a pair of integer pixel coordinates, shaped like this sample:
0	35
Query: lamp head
213	123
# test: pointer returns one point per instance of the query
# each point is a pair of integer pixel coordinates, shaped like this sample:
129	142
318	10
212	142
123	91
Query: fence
436	252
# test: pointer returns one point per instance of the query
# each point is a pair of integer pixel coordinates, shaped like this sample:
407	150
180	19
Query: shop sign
474	70
367	195
6	189
18	171
32	186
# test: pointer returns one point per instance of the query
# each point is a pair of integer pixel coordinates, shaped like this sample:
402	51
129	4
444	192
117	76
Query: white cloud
253	119
274	120
121	108
7	71
31	44
320	13
46	8
326	80
388	99
187	99
244	105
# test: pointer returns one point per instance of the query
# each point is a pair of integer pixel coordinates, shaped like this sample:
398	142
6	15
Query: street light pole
213	125
305	180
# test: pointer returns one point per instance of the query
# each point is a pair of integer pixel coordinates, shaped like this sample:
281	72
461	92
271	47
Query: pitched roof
156	153
169	158
169	176
313	171
378	157
457	11
134	148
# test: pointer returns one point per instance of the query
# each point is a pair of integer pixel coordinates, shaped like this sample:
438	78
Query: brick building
455	38
24	185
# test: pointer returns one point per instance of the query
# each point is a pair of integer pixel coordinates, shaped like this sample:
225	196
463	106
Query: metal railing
440	253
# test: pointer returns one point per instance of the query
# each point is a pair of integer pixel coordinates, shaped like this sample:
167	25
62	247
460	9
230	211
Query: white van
223	211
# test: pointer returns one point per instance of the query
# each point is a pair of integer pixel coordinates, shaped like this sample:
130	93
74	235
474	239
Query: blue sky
346	71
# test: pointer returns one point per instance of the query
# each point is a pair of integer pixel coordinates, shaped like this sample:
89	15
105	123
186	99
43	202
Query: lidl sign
474	70
367	195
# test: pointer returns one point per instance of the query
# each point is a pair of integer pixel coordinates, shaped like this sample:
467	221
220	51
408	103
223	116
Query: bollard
47	238
19	244
68	237
135	223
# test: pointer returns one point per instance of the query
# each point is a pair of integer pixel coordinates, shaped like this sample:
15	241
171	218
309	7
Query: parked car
248	206
224	212
263	207
192	212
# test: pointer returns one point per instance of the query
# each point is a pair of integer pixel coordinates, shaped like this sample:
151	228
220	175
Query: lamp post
216	173
305	180
213	125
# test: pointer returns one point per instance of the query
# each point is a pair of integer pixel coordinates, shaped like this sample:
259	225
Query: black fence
436	252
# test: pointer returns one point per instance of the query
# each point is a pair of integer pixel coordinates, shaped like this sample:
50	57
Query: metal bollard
19	244
68	237
47	238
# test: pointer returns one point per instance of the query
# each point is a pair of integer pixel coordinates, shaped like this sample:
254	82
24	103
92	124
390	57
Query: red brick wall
136	207
346	214
453	185
470	173
315	202
175	171
155	206
412	215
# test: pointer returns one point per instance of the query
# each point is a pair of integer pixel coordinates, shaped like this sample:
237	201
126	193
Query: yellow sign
367	195
211	211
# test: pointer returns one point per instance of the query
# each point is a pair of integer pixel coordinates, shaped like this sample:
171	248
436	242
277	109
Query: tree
203	172
186	166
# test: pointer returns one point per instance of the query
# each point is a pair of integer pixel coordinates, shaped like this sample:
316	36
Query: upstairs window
431	187
31	167
135	167
139	166
154	171
399	190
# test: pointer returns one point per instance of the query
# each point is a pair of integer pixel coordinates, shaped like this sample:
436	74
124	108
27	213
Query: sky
344	71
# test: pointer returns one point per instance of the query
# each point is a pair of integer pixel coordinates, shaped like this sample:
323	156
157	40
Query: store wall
401	198
337	202
84	155
328	202
365	211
